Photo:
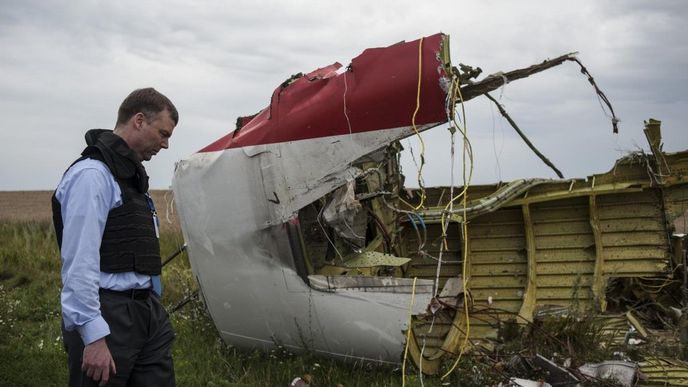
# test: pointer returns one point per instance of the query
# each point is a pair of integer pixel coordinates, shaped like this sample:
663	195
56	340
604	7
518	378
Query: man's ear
139	118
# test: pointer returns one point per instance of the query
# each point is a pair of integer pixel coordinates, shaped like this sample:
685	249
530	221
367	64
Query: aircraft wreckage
300	230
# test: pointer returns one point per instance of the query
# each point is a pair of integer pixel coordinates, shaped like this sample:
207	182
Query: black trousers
140	342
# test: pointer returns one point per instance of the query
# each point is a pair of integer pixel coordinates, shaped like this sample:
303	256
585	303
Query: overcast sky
65	66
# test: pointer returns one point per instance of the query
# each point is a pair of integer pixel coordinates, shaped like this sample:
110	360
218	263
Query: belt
134	294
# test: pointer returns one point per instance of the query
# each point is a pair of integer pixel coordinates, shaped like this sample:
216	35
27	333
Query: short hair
148	101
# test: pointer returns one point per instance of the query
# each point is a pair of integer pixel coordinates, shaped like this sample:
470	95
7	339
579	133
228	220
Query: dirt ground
34	206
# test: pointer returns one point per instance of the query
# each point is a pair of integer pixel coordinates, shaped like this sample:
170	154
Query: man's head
145	120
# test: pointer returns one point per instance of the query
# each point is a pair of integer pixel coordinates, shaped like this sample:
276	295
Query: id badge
156	220
156	223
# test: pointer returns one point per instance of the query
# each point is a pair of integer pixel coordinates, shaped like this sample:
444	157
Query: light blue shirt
87	193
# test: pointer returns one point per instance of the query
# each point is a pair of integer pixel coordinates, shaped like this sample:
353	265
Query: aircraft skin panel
295	151
379	90
287	176
242	260
255	295
298	172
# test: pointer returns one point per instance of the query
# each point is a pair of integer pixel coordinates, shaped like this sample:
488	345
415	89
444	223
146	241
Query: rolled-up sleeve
86	194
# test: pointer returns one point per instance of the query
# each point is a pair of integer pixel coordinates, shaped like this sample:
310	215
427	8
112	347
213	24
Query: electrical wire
425	254
467	152
327	236
497	155
422	351
346	115
421	242
415	228
415	128
408	332
467	173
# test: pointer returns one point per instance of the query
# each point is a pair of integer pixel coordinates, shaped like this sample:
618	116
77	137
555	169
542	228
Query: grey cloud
66	66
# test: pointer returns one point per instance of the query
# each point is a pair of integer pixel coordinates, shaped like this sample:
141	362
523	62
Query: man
115	330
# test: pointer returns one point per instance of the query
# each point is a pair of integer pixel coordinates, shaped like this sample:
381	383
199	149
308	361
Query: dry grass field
25	206
34	206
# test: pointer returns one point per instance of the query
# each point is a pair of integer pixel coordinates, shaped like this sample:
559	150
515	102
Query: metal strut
174	255
523	136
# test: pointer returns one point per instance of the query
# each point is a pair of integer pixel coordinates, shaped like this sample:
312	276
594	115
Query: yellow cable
408	333
467	144
444	223
405	202
415	129
467	147
463	194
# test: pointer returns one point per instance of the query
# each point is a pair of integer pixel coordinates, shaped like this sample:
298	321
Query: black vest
129	241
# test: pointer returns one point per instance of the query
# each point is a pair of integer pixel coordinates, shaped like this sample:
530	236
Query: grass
31	348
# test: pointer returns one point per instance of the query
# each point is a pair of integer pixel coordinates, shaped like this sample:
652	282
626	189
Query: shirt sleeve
86	194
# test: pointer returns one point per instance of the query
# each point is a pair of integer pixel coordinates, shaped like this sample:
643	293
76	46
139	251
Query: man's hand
98	363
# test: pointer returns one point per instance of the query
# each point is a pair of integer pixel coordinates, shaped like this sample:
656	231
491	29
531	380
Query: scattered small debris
528	383
623	372
302	381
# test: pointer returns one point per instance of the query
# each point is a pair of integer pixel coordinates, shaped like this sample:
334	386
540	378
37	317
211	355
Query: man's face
152	136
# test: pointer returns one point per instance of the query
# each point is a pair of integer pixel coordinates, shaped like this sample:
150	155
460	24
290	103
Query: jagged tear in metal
273	270
341	214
